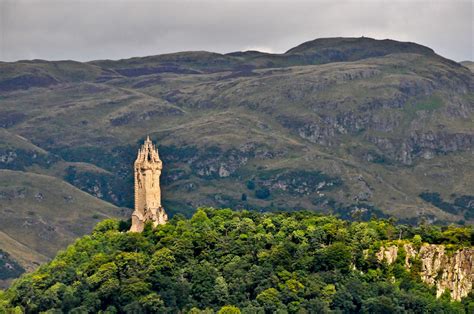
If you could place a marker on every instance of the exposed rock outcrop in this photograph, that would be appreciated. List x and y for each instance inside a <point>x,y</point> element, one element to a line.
<point>423,144</point>
<point>445,270</point>
<point>216,163</point>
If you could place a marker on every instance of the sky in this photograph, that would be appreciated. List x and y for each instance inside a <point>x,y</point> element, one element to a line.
<point>86,30</point>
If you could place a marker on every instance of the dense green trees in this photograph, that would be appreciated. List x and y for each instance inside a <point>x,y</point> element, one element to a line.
<point>236,262</point>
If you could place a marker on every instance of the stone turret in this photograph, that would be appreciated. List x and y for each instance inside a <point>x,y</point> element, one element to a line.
<point>148,207</point>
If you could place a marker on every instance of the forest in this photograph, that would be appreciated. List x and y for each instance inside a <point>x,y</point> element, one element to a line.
<point>225,261</point>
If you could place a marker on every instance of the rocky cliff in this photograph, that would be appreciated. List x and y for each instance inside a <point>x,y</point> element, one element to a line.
<point>439,267</point>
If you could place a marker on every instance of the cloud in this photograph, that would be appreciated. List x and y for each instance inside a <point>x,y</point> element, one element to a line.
<point>88,30</point>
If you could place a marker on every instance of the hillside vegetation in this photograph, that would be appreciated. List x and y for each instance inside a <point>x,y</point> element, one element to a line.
<point>41,214</point>
<point>352,126</point>
<point>238,261</point>
<point>469,65</point>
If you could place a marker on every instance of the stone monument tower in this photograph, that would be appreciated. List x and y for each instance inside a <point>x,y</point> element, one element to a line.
<point>147,188</point>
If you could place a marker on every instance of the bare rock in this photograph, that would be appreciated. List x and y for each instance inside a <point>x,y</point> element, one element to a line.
<point>454,272</point>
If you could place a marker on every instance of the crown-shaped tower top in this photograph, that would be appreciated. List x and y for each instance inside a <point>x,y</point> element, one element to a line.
<point>148,154</point>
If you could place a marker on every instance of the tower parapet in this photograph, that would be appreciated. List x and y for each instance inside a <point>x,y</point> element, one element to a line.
<point>147,172</point>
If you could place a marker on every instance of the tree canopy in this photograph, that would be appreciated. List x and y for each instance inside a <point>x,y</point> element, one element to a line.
<point>224,261</point>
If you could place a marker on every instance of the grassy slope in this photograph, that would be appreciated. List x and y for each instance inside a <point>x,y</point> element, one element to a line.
<point>469,65</point>
<point>209,109</point>
<point>41,214</point>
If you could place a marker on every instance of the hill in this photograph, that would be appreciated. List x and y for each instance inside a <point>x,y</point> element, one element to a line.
<point>468,64</point>
<point>353,126</point>
<point>41,214</point>
<point>250,262</point>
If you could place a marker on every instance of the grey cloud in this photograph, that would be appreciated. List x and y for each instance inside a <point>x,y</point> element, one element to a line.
<point>88,30</point>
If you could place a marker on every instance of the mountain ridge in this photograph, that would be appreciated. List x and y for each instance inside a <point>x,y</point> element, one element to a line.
<point>331,50</point>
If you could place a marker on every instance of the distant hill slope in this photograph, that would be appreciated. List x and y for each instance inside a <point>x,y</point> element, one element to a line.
<point>42,214</point>
<point>353,126</point>
<point>352,49</point>
<point>319,51</point>
<point>469,65</point>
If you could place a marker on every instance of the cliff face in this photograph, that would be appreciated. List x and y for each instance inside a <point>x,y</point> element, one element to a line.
<point>454,272</point>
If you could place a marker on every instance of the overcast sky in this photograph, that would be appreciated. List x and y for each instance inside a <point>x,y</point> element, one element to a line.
<point>92,29</point>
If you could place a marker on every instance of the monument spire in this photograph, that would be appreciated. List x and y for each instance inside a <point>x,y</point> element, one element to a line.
<point>147,172</point>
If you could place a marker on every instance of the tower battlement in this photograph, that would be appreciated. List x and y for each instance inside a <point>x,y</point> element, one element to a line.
<point>147,172</point>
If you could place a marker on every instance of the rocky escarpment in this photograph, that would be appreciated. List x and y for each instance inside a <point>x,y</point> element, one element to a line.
<point>415,144</point>
<point>425,145</point>
<point>440,268</point>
